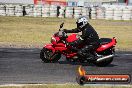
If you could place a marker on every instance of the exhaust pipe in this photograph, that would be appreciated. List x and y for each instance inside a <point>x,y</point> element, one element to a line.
<point>105,57</point>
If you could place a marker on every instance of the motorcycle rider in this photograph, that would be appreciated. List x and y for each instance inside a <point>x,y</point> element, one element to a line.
<point>89,37</point>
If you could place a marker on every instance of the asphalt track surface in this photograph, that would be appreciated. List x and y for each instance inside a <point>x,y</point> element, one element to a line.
<point>23,66</point>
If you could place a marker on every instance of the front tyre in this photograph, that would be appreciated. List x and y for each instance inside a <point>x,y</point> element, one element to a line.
<point>48,56</point>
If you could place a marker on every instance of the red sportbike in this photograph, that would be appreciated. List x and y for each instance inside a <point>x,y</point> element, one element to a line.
<point>59,45</point>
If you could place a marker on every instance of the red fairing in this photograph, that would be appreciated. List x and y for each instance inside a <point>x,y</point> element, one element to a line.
<point>54,40</point>
<point>71,55</point>
<point>50,47</point>
<point>106,46</point>
<point>72,38</point>
<point>60,47</point>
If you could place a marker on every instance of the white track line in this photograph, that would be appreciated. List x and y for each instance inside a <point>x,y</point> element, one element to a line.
<point>124,54</point>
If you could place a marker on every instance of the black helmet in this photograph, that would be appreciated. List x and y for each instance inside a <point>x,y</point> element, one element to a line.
<point>82,22</point>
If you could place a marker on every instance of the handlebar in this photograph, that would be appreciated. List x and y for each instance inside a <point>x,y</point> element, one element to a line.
<point>62,34</point>
<point>61,26</point>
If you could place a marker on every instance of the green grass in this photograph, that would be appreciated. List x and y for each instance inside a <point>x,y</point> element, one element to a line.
<point>34,32</point>
<point>67,86</point>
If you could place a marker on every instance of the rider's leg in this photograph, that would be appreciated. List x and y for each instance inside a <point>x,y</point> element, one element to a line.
<point>86,52</point>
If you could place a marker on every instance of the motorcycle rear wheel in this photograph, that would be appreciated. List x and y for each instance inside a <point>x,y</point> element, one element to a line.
<point>46,55</point>
<point>104,62</point>
<point>107,61</point>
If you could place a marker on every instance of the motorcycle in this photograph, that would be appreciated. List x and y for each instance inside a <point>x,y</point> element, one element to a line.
<point>59,45</point>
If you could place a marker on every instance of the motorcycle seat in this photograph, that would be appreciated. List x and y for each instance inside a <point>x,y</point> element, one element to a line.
<point>103,41</point>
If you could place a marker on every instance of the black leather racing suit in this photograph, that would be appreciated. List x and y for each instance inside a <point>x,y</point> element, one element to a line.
<point>89,37</point>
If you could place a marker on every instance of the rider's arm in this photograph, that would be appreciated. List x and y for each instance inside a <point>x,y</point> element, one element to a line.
<point>76,30</point>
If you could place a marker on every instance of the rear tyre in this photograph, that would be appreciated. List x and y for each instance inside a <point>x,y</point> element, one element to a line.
<point>104,62</point>
<point>107,61</point>
<point>47,56</point>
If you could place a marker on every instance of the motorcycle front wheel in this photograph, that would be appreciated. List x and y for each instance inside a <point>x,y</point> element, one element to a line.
<point>48,56</point>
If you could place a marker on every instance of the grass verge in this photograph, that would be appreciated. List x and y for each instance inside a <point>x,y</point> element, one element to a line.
<point>67,86</point>
<point>33,32</point>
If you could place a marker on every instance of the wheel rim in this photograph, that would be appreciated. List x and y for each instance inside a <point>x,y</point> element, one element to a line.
<point>48,54</point>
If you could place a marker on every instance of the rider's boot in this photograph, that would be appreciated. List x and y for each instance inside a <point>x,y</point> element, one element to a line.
<point>91,57</point>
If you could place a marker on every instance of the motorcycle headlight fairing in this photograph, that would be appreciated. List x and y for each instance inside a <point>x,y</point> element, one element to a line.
<point>53,39</point>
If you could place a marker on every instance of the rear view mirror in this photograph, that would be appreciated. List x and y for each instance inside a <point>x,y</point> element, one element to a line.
<point>61,26</point>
